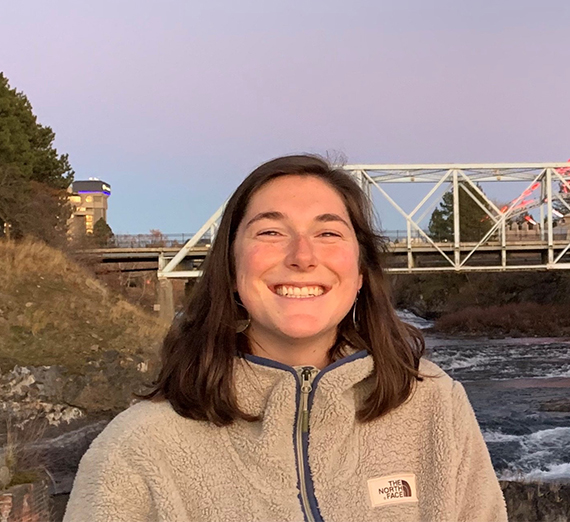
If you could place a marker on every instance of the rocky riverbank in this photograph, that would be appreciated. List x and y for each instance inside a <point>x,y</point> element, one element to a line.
<point>51,416</point>
<point>493,305</point>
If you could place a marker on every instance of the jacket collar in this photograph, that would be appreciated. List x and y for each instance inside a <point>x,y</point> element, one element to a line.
<point>257,378</point>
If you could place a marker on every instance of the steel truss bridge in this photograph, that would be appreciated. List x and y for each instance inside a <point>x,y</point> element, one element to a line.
<point>415,251</point>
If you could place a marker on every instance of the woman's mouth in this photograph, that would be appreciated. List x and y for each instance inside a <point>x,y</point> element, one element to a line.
<point>299,292</point>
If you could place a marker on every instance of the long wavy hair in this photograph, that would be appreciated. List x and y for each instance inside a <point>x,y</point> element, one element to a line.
<point>199,351</point>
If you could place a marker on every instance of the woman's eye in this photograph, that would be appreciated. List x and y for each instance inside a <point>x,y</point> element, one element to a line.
<point>330,234</point>
<point>268,233</point>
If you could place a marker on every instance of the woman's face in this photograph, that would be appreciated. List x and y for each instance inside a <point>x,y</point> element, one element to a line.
<point>297,259</point>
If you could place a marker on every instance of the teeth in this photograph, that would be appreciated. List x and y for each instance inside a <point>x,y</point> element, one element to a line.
<point>299,292</point>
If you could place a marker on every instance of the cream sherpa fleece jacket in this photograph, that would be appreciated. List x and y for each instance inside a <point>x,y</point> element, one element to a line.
<point>425,461</point>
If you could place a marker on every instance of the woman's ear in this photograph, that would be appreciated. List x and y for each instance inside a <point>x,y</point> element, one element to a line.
<point>360,279</point>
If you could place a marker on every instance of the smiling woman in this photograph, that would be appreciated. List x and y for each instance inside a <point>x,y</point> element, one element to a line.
<point>289,389</point>
<point>297,269</point>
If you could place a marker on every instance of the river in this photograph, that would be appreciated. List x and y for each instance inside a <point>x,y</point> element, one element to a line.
<point>520,391</point>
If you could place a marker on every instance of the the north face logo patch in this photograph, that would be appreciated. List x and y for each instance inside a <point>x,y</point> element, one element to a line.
<point>393,489</point>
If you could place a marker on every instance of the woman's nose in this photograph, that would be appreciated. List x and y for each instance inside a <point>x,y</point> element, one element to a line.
<point>301,255</point>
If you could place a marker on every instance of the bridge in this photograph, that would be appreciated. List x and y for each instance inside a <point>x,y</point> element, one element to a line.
<point>507,244</point>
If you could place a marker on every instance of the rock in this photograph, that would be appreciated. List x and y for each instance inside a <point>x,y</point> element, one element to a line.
<point>110,356</point>
<point>31,393</point>
<point>108,383</point>
<point>29,304</point>
<point>94,347</point>
<point>52,395</point>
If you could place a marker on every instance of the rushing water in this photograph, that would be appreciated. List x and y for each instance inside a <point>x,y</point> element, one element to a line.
<point>520,391</point>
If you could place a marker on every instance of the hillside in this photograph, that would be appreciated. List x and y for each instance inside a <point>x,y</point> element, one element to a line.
<point>53,312</point>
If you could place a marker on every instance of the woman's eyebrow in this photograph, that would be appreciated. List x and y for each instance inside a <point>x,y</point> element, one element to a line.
<point>265,215</point>
<point>331,217</point>
<point>323,218</point>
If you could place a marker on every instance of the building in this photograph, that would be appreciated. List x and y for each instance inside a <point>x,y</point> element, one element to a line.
<point>89,202</point>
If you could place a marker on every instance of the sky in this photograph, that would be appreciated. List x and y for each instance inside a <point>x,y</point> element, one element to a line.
<point>174,102</point>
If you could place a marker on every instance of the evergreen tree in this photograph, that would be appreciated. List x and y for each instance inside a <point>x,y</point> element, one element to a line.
<point>474,222</point>
<point>102,233</point>
<point>33,177</point>
<point>14,197</point>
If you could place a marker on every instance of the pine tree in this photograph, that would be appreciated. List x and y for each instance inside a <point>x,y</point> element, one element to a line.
<point>102,233</point>
<point>474,222</point>
<point>33,176</point>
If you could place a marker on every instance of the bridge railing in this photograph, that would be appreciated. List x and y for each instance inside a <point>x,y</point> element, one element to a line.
<point>514,234</point>
<point>401,236</point>
<point>154,240</point>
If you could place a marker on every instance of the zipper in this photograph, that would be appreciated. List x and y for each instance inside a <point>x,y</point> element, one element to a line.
<point>306,375</point>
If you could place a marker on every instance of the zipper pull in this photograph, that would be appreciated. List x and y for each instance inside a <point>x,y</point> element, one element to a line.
<point>306,387</point>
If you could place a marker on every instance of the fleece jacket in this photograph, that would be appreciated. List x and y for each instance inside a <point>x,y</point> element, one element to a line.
<point>425,461</point>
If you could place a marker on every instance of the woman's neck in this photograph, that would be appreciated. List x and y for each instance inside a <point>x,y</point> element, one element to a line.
<point>292,352</point>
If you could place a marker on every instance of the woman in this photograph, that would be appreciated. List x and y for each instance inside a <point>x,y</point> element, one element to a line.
<point>290,390</point>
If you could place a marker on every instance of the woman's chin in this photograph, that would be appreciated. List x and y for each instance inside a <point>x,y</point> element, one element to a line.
<point>304,332</point>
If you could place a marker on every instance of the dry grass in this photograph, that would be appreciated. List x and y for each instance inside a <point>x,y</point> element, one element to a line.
<point>23,462</point>
<point>52,311</point>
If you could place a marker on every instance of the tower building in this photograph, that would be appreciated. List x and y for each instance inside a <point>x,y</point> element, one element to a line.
<point>89,201</point>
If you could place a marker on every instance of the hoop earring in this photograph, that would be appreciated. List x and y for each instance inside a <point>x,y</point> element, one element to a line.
<point>243,324</point>
<point>354,321</point>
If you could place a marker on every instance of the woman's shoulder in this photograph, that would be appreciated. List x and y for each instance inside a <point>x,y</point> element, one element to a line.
<point>428,367</point>
<point>144,413</point>
<point>435,379</point>
<point>436,396</point>
<point>143,421</point>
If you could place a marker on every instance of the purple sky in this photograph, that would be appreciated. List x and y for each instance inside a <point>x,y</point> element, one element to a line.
<point>174,102</point>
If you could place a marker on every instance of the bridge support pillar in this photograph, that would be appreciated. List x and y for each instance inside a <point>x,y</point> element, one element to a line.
<point>165,300</point>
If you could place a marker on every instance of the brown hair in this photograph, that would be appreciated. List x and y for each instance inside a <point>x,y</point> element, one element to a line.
<point>199,351</point>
